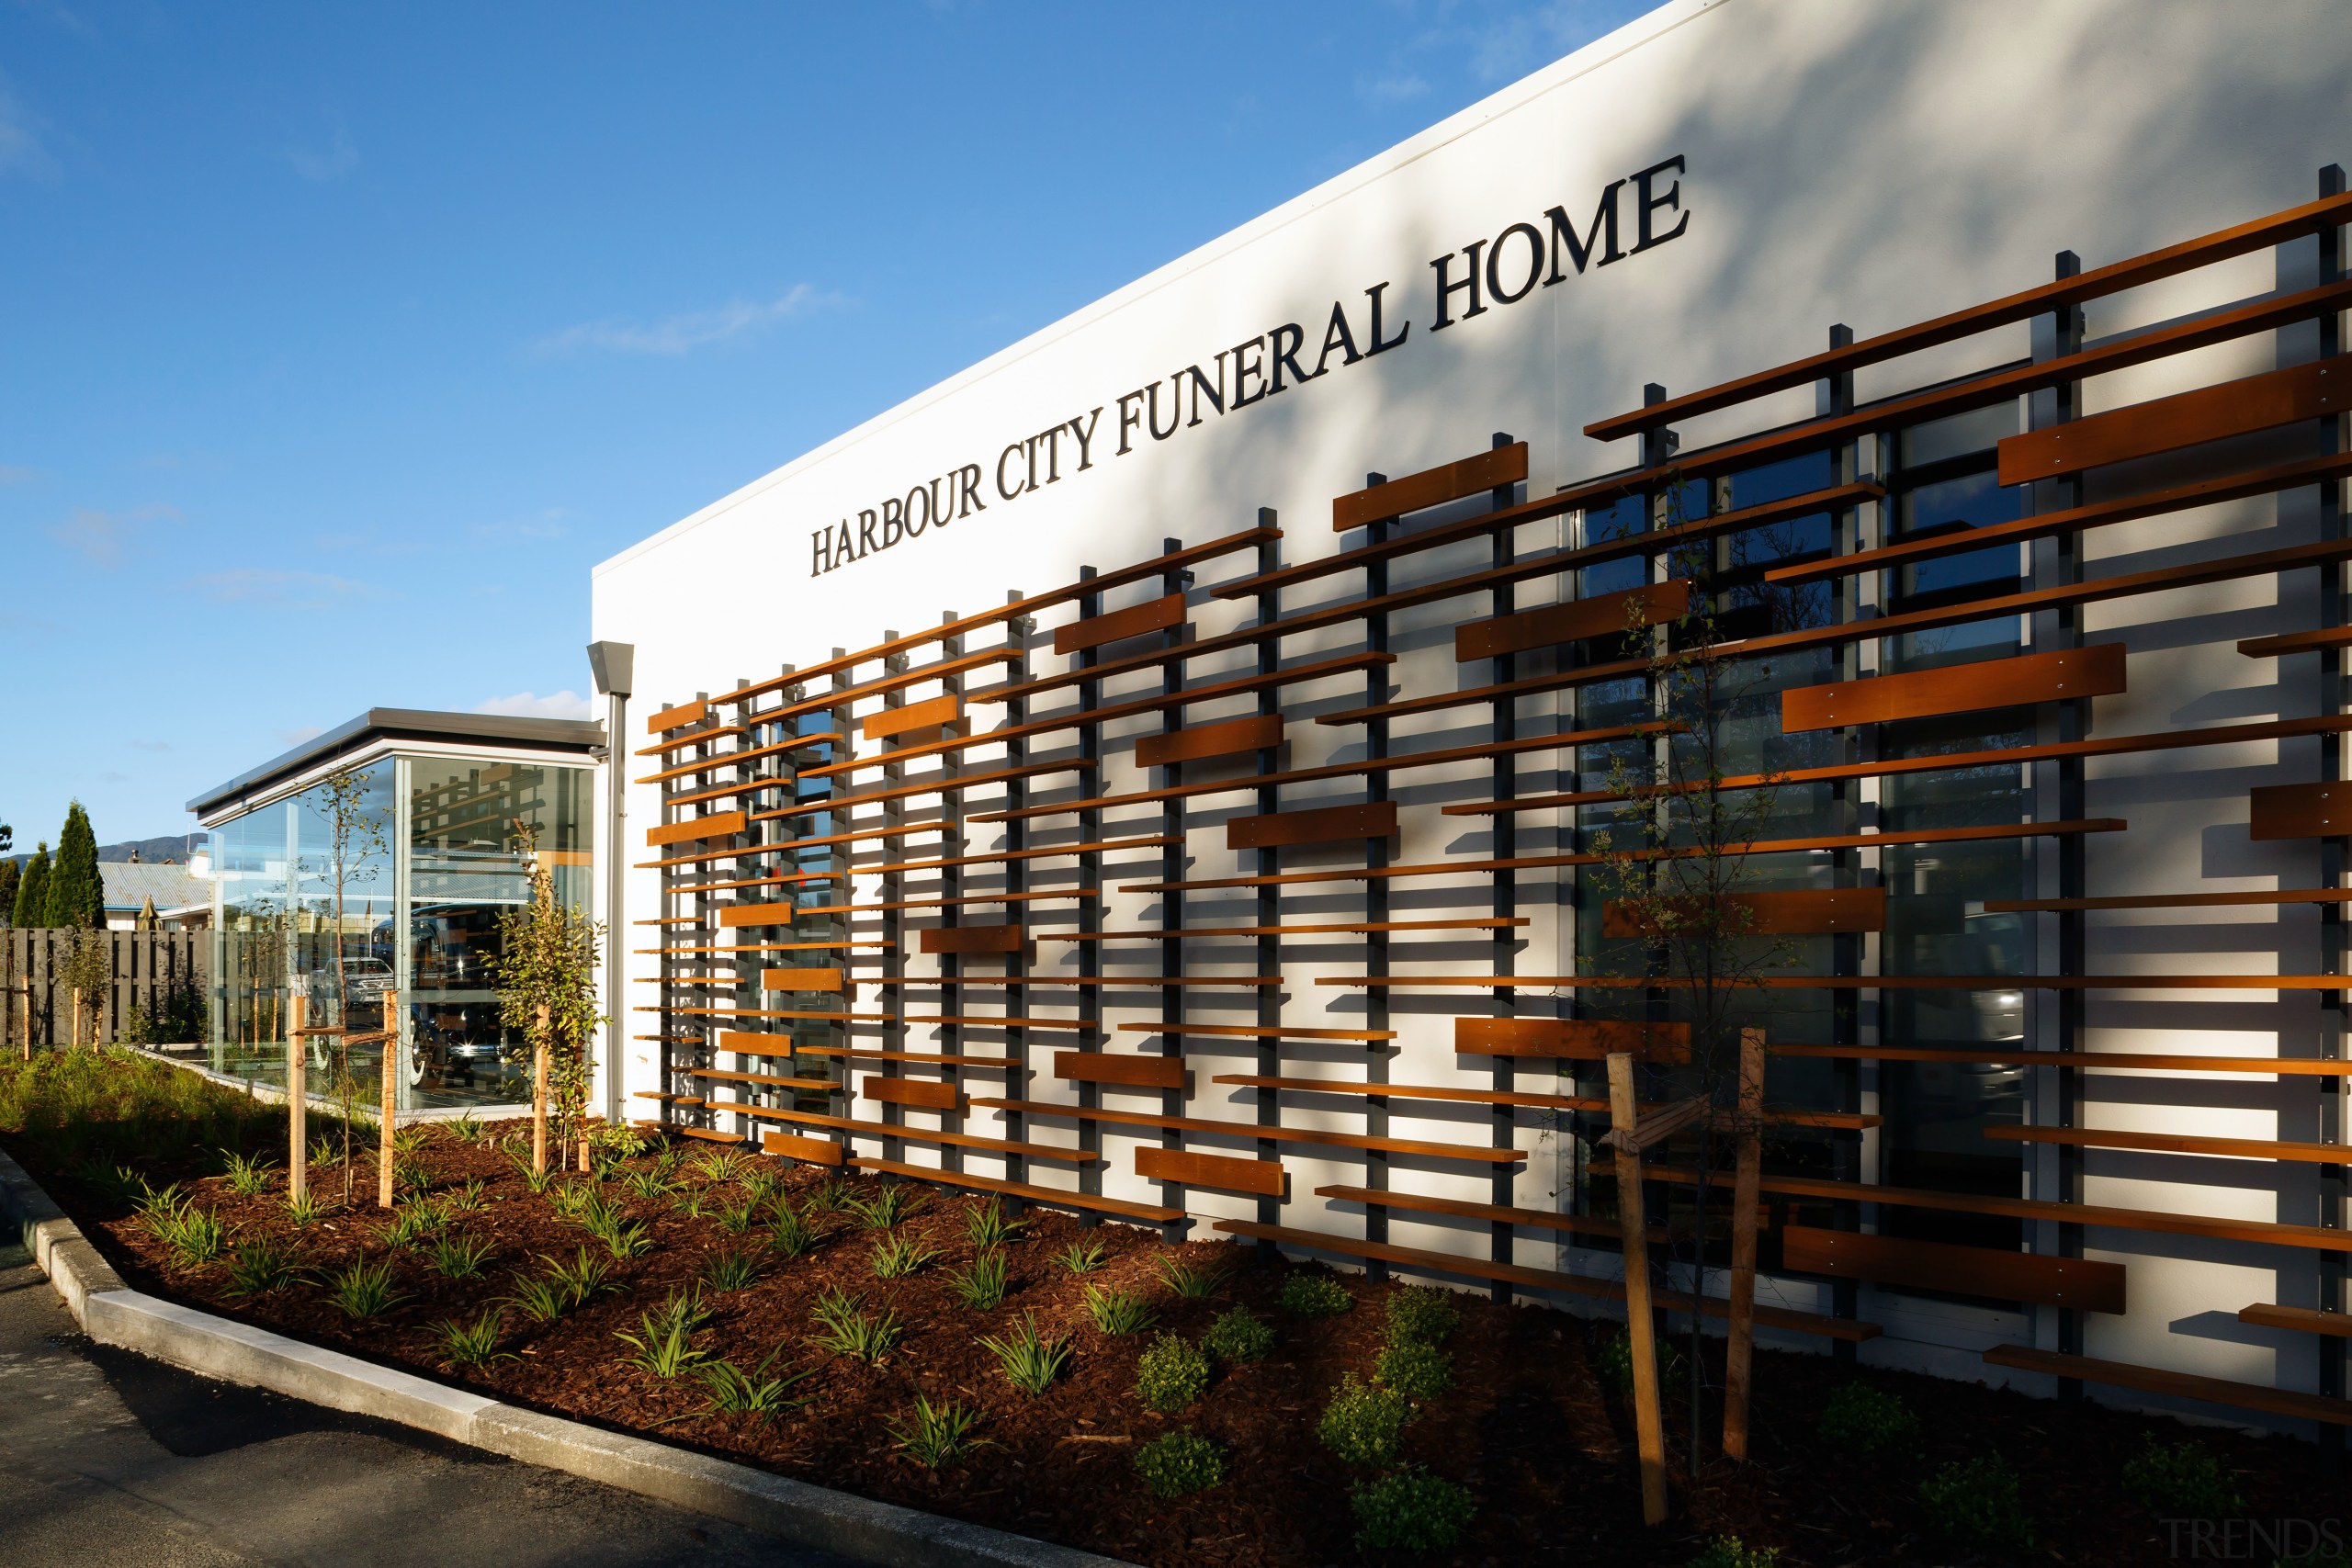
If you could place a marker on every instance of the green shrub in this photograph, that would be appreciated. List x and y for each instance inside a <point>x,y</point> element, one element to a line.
<point>2182,1480</point>
<point>364,1291</point>
<point>1170,1375</point>
<point>262,1264</point>
<point>1364,1425</point>
<point>1616,1362</point>
<point>934,1435</point>
<point>1116,1310</point>
<point>1410,1511</point>
<point>1236,1337</point>
<point>1867,1420</point>
<point>1420,1315</point>
<point>1314,1295</point>
<point>1416,1371</point>
<point>981,1285</point>
<point>1726,1552</point>
<point>1975,1503</point>
<point>1179,1464</point>
<point>1031,1361</point>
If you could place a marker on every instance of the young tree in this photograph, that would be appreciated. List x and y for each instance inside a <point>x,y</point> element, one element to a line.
<point>85,971</point>
<point>1677,877</point>
<point>11,874</point>
<point>77,891</point>
<point>545,978</point>
<point>357,851</point>
<point>32,909</point>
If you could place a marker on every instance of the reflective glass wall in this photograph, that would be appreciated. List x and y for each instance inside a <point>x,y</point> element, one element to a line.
<point>394,875</point>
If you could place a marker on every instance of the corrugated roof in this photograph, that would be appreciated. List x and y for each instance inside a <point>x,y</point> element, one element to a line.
<point>129,885</point>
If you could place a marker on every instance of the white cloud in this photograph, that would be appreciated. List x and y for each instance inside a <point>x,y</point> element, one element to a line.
<point>566,703</point>
<point>102,535</point>
<point>694,329</point>
<point>320,167</point>
<point>278,590</point>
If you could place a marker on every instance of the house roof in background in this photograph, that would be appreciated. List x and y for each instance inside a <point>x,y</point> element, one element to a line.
<point>404,724</point>
<point>129,885</point>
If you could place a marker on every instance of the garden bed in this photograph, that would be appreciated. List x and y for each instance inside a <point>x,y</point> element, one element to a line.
<point>1530,1427</point>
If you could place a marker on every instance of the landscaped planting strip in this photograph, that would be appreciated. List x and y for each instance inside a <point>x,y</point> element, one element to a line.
<point>855,1527</point>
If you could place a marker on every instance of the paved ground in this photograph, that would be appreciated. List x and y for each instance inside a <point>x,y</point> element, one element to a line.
<point>106,1458</point>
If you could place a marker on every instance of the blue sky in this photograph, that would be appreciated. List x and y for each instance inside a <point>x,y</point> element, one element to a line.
<point>341,341</point>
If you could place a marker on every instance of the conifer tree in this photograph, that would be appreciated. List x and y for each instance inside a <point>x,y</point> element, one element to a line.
<point>77,895</point>
<point>10,874</point>
<point>32,908</point>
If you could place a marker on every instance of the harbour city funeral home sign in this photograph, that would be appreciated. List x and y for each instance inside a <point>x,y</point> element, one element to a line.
<point>1484,274</point>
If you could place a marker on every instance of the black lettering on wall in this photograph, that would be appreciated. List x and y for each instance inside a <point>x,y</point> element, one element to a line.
<point>1287,357</point>
<point>1446,288</point>
<point>1379,345</point>
<point>1200,386</point>
<point>1337,335</point>
<point>1245,367</point>
<point>1085,434</point>
<point>1649,204</point>
<point>1128,419</point>
<point>967,478</point>
<point>1564,234</point>
<point>1003,490</point>
<point>1175,408</point>
<point>1495,289</point>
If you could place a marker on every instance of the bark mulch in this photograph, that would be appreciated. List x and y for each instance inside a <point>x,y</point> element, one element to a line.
<point>1530,1428</point>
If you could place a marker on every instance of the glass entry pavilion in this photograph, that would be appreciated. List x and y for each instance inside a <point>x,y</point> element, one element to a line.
<point>379,856</point>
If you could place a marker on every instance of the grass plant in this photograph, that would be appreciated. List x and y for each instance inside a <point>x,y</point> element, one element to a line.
<point>985,1225</point>
<point>980,1284</point>
<point>898,1255</point>
<point>1081,1256</point>
<point>459,1256</point>
<point>846,1328</point>
<point>262,1264</point>
<point>1118,1311</point>
<point>936,1435</point>
<point>365,1290</point>
<point>468,1345</point>
<point>248,1175</point>
<point>1030,1360</point>
<point>732,1269</point>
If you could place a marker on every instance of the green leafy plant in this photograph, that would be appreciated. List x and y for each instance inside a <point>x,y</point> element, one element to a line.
<point>262,1264</point>
<point>1410,1511</point>
<point>981,1285</point>
<point>934,1435</point>
<point>460,1257</point>
<point>466,1129</point>
<point>847,1329</point>
<point>1616,1362</point>
<point>650,1184</point>
<point>1031,1361</point>
<point>580,1203</point>
<point>791,1232</point>
<point>1117,1311</point>
<point>1171,1374</point>
<point>1729,1551</point>
<point>894,1202</point>
<point>325,1152</point>
<point>1178,1464</point>
<point>1976,1503</point>
<point>472,1197</point>
<point>411,1175</point>
<point>545,979</point>
<point>541,1298</point>
<point>739,1217</point>
<point>1416,1371</point>
<point>194,1236</point>
<point>1187,1279</point>
<point>475,1344</point>
<point>2182,1480</point>
<point>116,1183</point>
<point>364,1289</point>
<point>1865,1420</point>
<point>1365,1425</point>
<point>410,1140</point>
<point>730,1270</point>
<point>1236,1337</point>
<point>1314,1295</point>
<point>538,1182</point>
<point>664,1347</point>
<point>412,1223</point>
<point>1419,1314</point>
<point>898,1255</point>
<point>715,1166</point>
<point>734,1391</point>
<point>582,1277</point>
<point>247,1175</point>
<point>304,1210</point>
<point>985,1225</point>
<point>1080,1257</point>
<point>630,1240</point>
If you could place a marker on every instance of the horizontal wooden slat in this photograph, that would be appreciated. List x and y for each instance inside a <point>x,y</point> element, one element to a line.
<point>733,759</point>
<point>734,916</point>
<point>2172,1144</point>
<point>1605,615</point>
<point>2238,240</point>
<point>693,738</point>
<point>718,825</point>
<point>1432,487</point>
<point>2000,1274</point>
<point>2299,642</point>
<point>1253,1130</point>
<point>2303,1320</point>
<point>1576,1039</point>
<point>677,718</point>
<point>972,938</point>
<point>2187,419</point>
<point>815,1151</point>
<point>1445,1093</point>
<point>2093,1061</point>
<point>1203,741</point>
<point>926,1094</point>
<point>856,1129</point>
<point>1868,982</point>
<point>1491,1214</point>
<point>1791,913</point>
<point>1151,615</point>
<point>1224,1173</point>
<point>1105,1067</point>
<point>2093,672</point>
<point>1306,928</point>
<point>928,713</point>
<point>944,784</point>
<point>773,1080</point>
<point>1150,1213</point>
<point>2299,811</point>
<point>1257,1031</point>
<point>2175,1385</point>
<point>1426,1262</point>
<point>801,980</point>
<point>1322,825</point>
<point>2075,519</point>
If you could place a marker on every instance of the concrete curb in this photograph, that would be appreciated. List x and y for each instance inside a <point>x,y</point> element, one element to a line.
<point>855,1527</point>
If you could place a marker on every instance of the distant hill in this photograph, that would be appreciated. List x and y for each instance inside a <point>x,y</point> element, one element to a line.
<point>175,849</point>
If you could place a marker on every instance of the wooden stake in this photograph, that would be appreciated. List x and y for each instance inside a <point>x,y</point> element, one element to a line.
<point>583,1156</point>
<point>1740,1357</point>
<point>297,1103</point>
<point>539,1092</point>
<point>77,994</point>
<point>1640,1328</point>
<point>390,1074</point>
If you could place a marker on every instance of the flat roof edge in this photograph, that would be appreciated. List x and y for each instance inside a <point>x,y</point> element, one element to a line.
<point>405,723</point>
